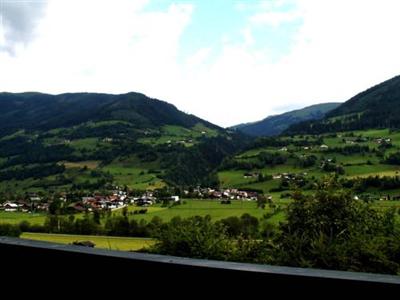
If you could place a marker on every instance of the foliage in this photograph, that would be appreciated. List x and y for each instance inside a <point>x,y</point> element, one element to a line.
<point>246,226</point>
<point>380,182</point>
<point>39,171</point>
<point>197,165</point>
<point>306,161</point>
<point>195,237</point>
<point>332,167</point>
<point>393,159</point>
<point>10,230</point>
<point>332,230</point>
<point>349,150</point>
<point>263,159</point>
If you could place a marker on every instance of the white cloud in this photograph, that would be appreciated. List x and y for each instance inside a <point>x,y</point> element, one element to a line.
<point>274,18</point>
<point>248,36</point>
<point>199,58</point>
<point>18,20</point>
<point>99,46</point>
<point>341,48</point>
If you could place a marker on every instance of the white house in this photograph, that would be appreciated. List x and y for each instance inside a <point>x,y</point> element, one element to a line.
<point>9,206</point>
<point>175,198</point>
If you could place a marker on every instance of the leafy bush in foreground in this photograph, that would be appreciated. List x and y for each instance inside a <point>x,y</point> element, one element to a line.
<point>9,230</point>
<point>332,230</point>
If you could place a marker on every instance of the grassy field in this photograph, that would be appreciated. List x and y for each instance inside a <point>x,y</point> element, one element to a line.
<point>172,134</point>
<point>91,164</point>
<point>214,208</point>
<point>373,170</point>
<point>87,143</point>
<point>362,164</point>
<point>386,204</point>
<point>105,123</point>
<point>134,173</point>
<point>389,173</point>
<point>219,211</point>
<point>233,178</point>
<point>106,242</point>
<point>190,208</point>
<point>17,217</point>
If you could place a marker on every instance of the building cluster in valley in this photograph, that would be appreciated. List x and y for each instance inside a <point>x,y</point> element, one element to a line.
<point>231,194</point>
<point>32,203</point>
<point>119,198</point>
<point>114,200</point>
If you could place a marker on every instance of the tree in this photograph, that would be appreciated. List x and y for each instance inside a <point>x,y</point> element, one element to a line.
<point>195,237</point>
<point>233,226</point>
<point>249,226</point>
<point>96,216</point>
<point>55,207</point>
<point>261,201</point>
<point>125,211</point>
<point>333,230</point>
<point>10,230</point>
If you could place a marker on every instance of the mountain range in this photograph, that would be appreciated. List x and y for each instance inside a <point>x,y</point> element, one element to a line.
<point>376,107</point>
<point>36,111</point>
<point>275,125</point>
<point>85,141</point>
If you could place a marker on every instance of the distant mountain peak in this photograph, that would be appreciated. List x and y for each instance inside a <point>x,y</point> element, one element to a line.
<point>44,111</point>
<point>276,124</point>
<point>376,107</point>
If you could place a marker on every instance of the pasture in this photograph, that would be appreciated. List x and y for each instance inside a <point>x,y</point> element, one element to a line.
<point>214,208</point>
<point>105,242</point>
<point>90,164</point>
<point>17,217</point>
<point>134,174</point>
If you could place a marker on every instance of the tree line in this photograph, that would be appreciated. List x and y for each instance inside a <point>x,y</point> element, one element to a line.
<point>329,229</point>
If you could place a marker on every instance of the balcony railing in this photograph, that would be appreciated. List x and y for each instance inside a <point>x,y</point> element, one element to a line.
<point>19,255</point>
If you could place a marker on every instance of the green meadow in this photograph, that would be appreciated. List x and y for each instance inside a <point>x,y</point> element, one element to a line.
<point>17,217</point>
<point>105,242</point>
<point>214,208</point>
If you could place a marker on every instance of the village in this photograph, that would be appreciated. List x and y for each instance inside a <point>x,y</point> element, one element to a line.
<point>119,198</point>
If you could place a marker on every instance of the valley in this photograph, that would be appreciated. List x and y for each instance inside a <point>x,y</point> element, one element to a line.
<point>274,163</point>
<point>131,173</point>
<point>129,142</point>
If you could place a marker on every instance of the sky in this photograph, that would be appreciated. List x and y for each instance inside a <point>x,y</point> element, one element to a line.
<point>226,61</point>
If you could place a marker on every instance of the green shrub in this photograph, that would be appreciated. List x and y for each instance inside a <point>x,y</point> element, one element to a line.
<point>10,230</point>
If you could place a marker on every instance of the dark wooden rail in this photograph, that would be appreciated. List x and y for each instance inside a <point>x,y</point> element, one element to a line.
<point>81,264</point>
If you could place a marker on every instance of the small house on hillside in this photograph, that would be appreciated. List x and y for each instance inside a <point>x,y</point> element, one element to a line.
<point>251,175</point>
<point>145,201</point>
<point>175,198</point>
<point>10,207</point>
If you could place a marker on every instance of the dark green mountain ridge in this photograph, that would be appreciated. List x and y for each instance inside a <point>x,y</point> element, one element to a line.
<point>377,107</point>
<point>43,111</point>
<point>275,125</point>
<point>88,140</point>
